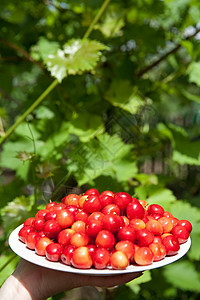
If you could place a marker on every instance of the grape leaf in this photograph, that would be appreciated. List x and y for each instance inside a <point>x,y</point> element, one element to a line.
<point>86,126</point>
<point>134,285</point>
<point>194,73</point>
<point>102,156</point>
<point>16,211</point>
<point>122,94</point>
<point>183,210</point>
<point>183,275</point>
<point>77,56</point>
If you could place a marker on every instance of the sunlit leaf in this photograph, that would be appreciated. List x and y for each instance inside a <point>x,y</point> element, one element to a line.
<point>77,56</point>
<point>194,73</point>
<point>183,275</point>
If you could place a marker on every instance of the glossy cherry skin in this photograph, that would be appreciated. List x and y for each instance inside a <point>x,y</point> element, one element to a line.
<point>92,203</point>
<point>51,229</point>
<point>101,258</point>
<point>155,209</point>
<point>53,252</point>
<point>67,253</point>
<point>81,258</point>
<point>119,260</point>
<point>186,224</point>
<point>181,233</point>
<point>41,245</point>
<point>171,244</point>
<point>122,199</point>
<point>111,223</point>
<point>93,227</point>
<point>31,239</point>
<point>127,247</point>
<point>105,239</point>
<point>159,251</point>
<point>65,218</point>
<point>144,237</point>
<point>111,209</point>
<point>24,231</point>
<point>135,210</point>
<point>126,233</point>
<point>143,256</point>
<point>71,199</point>
<point>92,192</point>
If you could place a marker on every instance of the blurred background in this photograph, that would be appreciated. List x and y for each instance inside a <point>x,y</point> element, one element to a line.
<point>102,94</point>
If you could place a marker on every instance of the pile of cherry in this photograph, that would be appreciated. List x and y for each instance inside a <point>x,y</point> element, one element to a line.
<point>107,230</point>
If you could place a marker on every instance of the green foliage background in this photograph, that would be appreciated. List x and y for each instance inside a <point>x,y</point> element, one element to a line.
<point>122,113</point>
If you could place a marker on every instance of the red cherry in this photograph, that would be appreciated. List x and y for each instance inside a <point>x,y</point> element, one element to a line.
<point>31,239</point>
<point>105,239</point>
<point>93,227</point>
<point>105,200</point>
<point>159,251</point>
<point>51,229</point>
<point>67,253</point>
<point>64,236</point>
<point>101,258</point>
<point>119,260</point>
<point>111,209</point>
<point>81,258</point>
<point>24,232</point>
<point>111,223</point>
<point>71,199</point>
<point>122,199</point>
<point>39,223</point>
<point>143,256</point>
<point>126,233</point>
<point>181,233</point>
<point>41,213</point>
<point>64,218</point>
<point>92,203</point>
<point>107,193</point>
<point>50,215</point>
<point>53,252</point>
<point>186,224</point>
<point>135,210</point>
<point>155,209</point>
<point>92,192</point>
<point>171,244</point>
<point>127,247</point>
<point>144,237</point>
<point>81,215</point>
<point>29,222</point>
<point>41,245</point>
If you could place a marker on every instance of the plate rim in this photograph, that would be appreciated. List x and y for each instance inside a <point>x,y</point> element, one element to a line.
<point>21,250</point>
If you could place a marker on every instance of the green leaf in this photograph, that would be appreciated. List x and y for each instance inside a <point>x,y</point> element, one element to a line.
<point>102,156</point>
<point>183,275</point>
<point>194,73</point>
<point>122,94</point>
<point>57,140</point>
<point>162,196</point>
<point>16,211</point>
<point>9,261</point>
<point>86,126</point>
<point>183,210</point>
<point>185,151</point>
<point>134,285</point>
<point>76,57</point>
<point>113,21</point>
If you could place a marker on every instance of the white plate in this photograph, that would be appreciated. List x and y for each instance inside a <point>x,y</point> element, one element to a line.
<point>20,249</point>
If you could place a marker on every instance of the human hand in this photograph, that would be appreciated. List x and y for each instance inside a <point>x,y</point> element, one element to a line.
<point>30,281</point>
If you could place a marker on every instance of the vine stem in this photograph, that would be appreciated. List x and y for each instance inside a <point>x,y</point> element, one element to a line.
<point>54,83</point>
<point>29,110</point>
<point>96,19</point>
